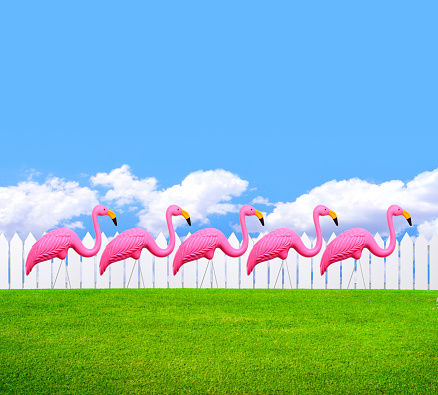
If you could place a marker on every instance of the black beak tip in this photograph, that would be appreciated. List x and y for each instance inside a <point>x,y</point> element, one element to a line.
<point>115,221</point>
<point>409,221</point>
<point>262,221</point>
<point>336,221</point>
<point>188,221</point>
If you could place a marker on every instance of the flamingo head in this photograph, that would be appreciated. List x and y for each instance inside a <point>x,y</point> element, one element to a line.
<point>176,210</point>
<point>250,210</point>
<point>102,210</point>
<point>323,210</point>
<point>397,210</point>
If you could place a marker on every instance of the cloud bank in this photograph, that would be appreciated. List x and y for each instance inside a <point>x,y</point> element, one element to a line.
<point>359,203</point>
<point>36,207</point>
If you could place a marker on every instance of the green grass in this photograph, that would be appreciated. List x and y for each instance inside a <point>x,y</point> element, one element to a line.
<point>218,341</point>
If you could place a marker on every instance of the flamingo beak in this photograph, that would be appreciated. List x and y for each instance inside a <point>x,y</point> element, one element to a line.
<point>260,217</point>
<point>186,215</point>
<point>112,216</point>
<point>408,217</point>
<point>334,216</point>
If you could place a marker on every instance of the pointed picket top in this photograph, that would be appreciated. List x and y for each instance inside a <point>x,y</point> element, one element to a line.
<point>30,238</point>
<point>110,238</point>
<point>161,241</point>
<point>433,240</point>
<point>406,240</point>
<point>305,239</point>
<point>3,238</point>
<point>233,241</point>
<point>258,238</point>
<point>421,239</point>
<point>88,240</point>
<point>177,240</point>
<point>16,239</point>
<point>379,240</point>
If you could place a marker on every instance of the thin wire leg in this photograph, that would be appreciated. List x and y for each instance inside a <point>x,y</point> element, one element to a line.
<point>68,278</point>
<point>141,274</point>
<point>363,279</point>
<point>355,263</point>
<point>217,285</point>
<point>287,268</point>
<point>278,275</point>
<point>133,267</point>
<point>204,274</point>
<point>53,286</point>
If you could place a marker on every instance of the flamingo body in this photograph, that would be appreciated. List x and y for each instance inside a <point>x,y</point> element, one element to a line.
<point>349,244</point>
<point>203,243</point>
<point>276,244</point>
<point>56,243</point>
<point>127,244</point>
<point>130,243</point>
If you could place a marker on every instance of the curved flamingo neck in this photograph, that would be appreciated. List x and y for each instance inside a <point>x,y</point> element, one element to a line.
<point>383,252</point>
<point>168,250</point>
<point>86,252</point>
<point>233,252</point>
<point>313,251</point>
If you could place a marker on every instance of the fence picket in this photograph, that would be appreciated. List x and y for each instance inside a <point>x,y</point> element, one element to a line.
<point>421,263</point>
<point>16,262</point>
<point>318,281</point>
<point>378,266</point>
<point>305,266</point>
<point>175,281</point>
<point>399,270</point>
<point>392,267</point>
<point>30,281</point>
<point>232,265</point>
<point>406,263</point>
<point>4,262</point>
<point>433,263</point>
<point>102,281</point>
<point>88,269</point>
<point>161,265</point>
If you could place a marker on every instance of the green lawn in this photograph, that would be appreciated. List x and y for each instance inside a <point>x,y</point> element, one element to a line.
<point>218,341</point>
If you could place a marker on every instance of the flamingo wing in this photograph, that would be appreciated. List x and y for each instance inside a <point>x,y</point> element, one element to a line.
<point>52,245</point>
<point>269,247</point>
<point>343,247</point>
<point>123,246</point>
<point>195,247</point>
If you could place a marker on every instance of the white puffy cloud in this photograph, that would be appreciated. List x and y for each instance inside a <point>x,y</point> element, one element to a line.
<point>37,207</point>
<point>363,204</point>
<point>201,193</point>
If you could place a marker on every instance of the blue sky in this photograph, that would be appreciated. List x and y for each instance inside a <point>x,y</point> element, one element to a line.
<point>285,97</point>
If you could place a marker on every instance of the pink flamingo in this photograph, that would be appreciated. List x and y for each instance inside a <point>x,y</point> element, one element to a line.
<point>203,243</point>
<point>349,244</point>
<point>277,243</point>
<point>56,243</point>
<point>131,242</point>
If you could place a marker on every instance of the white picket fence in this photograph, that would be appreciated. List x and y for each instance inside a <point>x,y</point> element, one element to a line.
<point>411,266</point>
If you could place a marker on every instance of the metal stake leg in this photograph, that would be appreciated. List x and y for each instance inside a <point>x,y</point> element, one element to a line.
<point>204,273</point>
<point>131,273</point>
<point>355,264</point>
<point>278,273</point>
<point>53,286</point>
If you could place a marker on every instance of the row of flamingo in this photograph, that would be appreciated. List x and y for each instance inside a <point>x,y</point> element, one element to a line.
<point>202,244</point>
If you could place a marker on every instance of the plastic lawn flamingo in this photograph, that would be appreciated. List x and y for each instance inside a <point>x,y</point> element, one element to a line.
<point>56,243</point>
<point>350,243</point>
<point>130,243</point>
<point>203,243</point>
<point>276,244</point>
